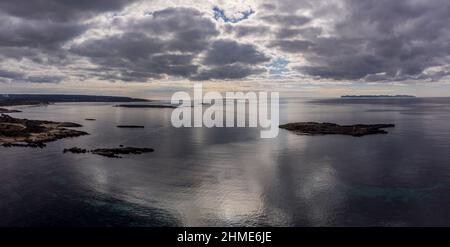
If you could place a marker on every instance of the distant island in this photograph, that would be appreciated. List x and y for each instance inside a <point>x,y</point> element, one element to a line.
<point>131,126</point>
<point>357,130</point>
<point>377,96</point>
<point>38,99</point>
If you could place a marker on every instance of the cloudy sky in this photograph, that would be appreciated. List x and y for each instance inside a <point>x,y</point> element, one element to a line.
<point>147,47</point>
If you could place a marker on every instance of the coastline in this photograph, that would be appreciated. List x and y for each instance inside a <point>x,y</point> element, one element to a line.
<point>34,133</point>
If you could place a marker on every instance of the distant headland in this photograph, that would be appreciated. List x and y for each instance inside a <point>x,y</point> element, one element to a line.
<point>377,96</point>
<point>38,99</point>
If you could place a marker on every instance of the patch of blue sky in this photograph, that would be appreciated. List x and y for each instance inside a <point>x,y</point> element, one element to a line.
<point>278,66</point>
<point>219,14</point>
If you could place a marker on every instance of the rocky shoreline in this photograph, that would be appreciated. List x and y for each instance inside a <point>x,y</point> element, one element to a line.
<point>3,110</point>
<point>357,130</point>
<point>110,152</point>
<point>16,132</point>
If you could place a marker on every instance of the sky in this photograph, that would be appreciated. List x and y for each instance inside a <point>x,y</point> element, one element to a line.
<point>152,48</point>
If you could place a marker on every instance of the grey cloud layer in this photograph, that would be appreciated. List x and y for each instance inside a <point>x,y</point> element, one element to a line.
<point>376,40</point>
<point>356,40</point>
<point>224,52</point>
<point>59,10</point>
<point>36,30</point>
<point>15,76</point>
<point>166,43</point>
<point>23,33</point>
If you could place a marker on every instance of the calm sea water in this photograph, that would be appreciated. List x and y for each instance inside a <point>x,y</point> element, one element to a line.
<point>231,177</point>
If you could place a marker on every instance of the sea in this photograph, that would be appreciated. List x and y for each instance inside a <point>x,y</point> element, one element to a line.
<point>231,176</point>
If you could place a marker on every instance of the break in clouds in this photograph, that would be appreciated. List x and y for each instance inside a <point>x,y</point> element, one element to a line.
<point>51,41</point>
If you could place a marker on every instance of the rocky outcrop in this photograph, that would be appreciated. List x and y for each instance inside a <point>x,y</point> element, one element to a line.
<point>313,128</point>
<point>131,126</point>
<point>75,150</point>
<point>110,152</point>
<point>16,132</point>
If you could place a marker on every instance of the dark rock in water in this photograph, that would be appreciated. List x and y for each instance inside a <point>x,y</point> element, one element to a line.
<point>130,126</point>
<point>16,132</point>
<point>75,150</point>
<point>312,128</point>
<point>90,119</point>
<point>114,152</point>
<point>110,152</point>
<point>70,125</point>
<point>3,110</point>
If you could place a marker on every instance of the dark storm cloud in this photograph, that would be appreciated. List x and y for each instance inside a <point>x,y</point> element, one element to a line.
<point>292,45</point>
<point>308,32</point>
<point>235,71</point>
<point>246,30</point>
<point>228,59</point>
<point>378,40</point>
<point>130,46</point>
<point>175,20</point>
<point>6,74</point>
<point>124,75</point>
<point>316,8</point>
<point>288,20</point>
<point>164,43</point>
<point>224,52</point>
<point>190,29</point>
<point>36,30</point>
<point>59,10</point>
<point>47,24</point>
<point>167,42</point>
<point>136,56</point>
<point>45,79</point>
<point>268,7</point>
<point>39,41</point>
<point>43,34</point>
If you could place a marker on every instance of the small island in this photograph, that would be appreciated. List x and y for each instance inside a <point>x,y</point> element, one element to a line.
<point>400,96</point>
<point>34,133</point>
<point>131,126</point>
<point>357,130</point>
<point>110,152</point>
